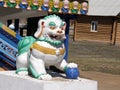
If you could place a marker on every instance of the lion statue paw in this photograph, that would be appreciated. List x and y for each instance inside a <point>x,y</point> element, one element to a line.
<point>23,73</point>
<point>45,77</point>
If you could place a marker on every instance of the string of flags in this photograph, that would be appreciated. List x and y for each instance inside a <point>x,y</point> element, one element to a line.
<point>55,6</point>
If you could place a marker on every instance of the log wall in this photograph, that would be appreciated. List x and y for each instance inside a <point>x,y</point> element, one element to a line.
<point>118,32</point>
<point>83,29</point>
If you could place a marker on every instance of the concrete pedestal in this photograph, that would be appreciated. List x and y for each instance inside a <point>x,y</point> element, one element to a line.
<point>11,81</point>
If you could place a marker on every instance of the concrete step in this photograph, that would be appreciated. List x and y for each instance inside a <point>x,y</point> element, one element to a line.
<point>11,81</point>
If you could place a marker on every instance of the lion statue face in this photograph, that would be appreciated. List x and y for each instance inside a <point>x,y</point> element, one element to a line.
<point>51,27</point>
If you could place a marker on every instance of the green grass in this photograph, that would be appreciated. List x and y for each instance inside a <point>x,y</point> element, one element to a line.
<point>94,56</point>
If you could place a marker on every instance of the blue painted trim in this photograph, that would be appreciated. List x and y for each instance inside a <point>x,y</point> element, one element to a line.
<point>23,6</point>
<point>16,49</point>
<point>67,36</point>
<point>7,53</point>
<point>10,37</point>
<point>1,64</point>
<point>65,10</point>
<point>12,63</point>
<point>44,8</point>
<point>18,37</point>
<point>8,40</point>
<point>14,59</point>
<point>66,46</point>
<point>66,18</point>
<point>1,3</point>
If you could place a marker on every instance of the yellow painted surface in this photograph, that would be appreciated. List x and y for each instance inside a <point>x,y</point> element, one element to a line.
<point>47,50</point>
<point>11,32</point>
<point>1,69</point>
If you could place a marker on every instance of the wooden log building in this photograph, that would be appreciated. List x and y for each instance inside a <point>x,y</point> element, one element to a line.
<point>94,28</point>
<point>101,24</point>
<point>116,32</point>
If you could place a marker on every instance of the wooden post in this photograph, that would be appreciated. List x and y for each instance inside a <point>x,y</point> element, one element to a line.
<point>75,30</point>
<point>67,37</point>
<point>9,22</point>
<point>16,25</point>
<point>66,18</point>
<point>114,32</point>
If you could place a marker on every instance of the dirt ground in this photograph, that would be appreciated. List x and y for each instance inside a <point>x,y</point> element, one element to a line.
<point>105,81</point>
<point>94,58</point>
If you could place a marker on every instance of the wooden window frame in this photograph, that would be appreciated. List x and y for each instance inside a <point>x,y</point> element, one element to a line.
<point>94,26</point>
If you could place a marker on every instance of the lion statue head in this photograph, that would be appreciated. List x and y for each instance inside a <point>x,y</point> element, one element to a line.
<point>51,27</point>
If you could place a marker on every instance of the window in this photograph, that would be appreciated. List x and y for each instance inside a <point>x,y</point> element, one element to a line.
<point>94,25</point>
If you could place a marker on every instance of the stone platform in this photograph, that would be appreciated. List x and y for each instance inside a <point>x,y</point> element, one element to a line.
<point>11,81</point>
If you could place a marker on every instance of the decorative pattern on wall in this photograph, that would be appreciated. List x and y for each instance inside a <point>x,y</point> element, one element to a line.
<point>55,6</point>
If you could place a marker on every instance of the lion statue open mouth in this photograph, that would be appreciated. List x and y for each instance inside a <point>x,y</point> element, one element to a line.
<point>46,49</point>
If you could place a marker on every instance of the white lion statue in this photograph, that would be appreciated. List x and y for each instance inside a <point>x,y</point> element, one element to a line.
<point>46,49</point>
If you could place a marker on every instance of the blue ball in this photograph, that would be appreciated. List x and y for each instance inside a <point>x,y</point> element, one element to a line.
<point>72,73</point>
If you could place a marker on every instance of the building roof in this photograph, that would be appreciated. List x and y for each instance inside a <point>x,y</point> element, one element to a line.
<point>13,13</point>
<point>24,14</point>
<point>104,7</point>
<point>96,8</point>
